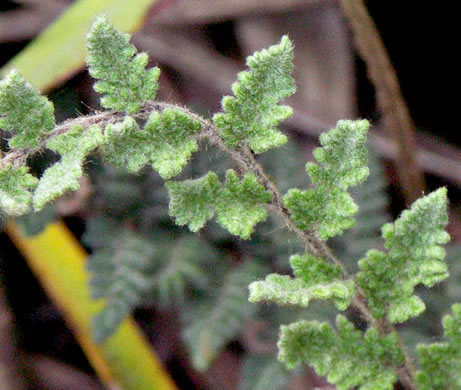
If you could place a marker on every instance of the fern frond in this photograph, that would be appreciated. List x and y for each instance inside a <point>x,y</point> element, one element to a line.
<point>119,275</point>
<point>254,113</point>
<point>328,208</point>
<point>441,362</point>
<point>63,176</point>
<point>413,256</point>
<point>24,111</point>
<point>315,279</point>
<point>182,267</point>
<point>347,357</point>
<point>216,323</point>
<point>164,136</point>
<point>113,60</point>
<point>15,186</point>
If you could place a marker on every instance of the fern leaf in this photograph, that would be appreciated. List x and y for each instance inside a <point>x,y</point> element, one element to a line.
<point>124,81</point>
<point>219,322</point>
<point>239,207</point>
<point>166,142</point>
<point>413,256</point>
<point>171,136</point>
<point>63,176</point>
<point>315,279</point>
<point>125,144</point>
<point>119,275</point>
<point>24,112</point>
<point>15,186</point>
<point>192,201</point>
<point>342,163</point>
<point>254,113</point>
<point>441,362</point>
<point>347,357</point>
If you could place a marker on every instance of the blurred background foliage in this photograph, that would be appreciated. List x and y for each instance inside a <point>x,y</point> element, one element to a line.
<point>189,291</point>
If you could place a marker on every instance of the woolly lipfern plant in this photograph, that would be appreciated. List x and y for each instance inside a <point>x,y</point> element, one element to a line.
<point>140,132</point>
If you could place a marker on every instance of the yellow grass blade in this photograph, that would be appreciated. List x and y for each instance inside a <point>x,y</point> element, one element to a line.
<point>125,360</point>
<point>59,51</point>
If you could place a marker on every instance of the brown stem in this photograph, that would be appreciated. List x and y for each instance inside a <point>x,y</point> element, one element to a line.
<point>388,95</point>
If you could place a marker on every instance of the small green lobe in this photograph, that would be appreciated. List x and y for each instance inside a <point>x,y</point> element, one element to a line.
<point>239,206</point>
<point>15,186</point>
<point>64,175</point>
<point>167,142</point>
<point>440,363</point>
<point>123,79</point>
<point>314,279</point>
<point>192,201</point>
<point>253,114</point>
<point>24,112</point>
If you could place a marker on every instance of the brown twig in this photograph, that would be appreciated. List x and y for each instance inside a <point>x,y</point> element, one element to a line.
<point>388,96</point>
